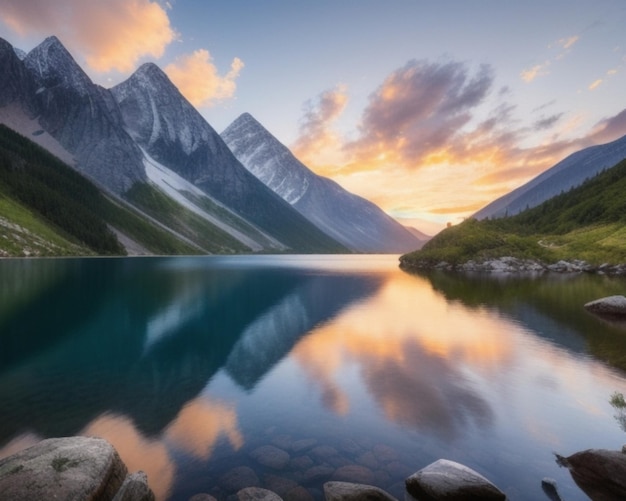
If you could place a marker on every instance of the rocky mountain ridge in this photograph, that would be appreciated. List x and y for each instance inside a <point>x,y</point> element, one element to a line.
<point>566,174</point>
<point>355,222</point>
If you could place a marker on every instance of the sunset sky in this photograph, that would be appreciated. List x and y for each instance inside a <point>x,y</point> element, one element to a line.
<point>429,109</point>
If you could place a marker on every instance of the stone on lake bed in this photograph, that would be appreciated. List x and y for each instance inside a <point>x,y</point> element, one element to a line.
<point>202,496</point>
<point>257,494</point>
<point>239,478</point>
<point>354,473</point>
<point>451,481</point>
<point>610,305</point>
<point>271,456</point>
<point>347,491</point>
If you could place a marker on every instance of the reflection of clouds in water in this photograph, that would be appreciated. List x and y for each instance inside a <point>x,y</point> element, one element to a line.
<point>424,392</point>
<point>137,451</point>
<point>411,347</point>
<point>195,431</point>
<point>200,424</point>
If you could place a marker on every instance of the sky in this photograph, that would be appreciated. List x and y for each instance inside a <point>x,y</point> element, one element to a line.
<point>430,109</point>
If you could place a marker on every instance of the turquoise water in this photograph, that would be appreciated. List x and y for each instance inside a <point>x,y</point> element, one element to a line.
<point>347,366</point>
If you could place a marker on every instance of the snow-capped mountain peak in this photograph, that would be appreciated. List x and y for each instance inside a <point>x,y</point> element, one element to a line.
<point>54,66</point>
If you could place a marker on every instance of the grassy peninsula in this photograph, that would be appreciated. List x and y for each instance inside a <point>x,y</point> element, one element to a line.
<point>587,223</point>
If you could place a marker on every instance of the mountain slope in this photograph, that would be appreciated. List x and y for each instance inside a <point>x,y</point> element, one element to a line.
<point>176,136</point>
<point>355,222</point>
<point>75,112</point>
<point>586,223</point>
<point>50,209</point>
<point>568,173</point>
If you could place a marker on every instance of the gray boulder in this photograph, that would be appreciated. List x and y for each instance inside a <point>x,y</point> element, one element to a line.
<point>63,468</point>
<point>347,491</point>
<point>600,473</point>
<point>135,488</point>
<point>451,481</point>
<point>609,306</point>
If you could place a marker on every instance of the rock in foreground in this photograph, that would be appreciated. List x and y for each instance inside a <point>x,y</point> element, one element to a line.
<point>346,491</point>
<point>600,473</point>
<point>63,468</point>
<point>450,481</point>
<point>614,306</point>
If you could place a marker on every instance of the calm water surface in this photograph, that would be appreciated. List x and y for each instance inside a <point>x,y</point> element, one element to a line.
<point>354,368</point>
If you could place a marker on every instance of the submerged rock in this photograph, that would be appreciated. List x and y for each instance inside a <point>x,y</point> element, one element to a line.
<point>600,473</point>
<point>346,491</point>
<point>257,494</point>
<point>550,488</point>
<point>63,468</point>
<point>608,306</point>
<point>451,481</point>
<point>354,473</point>
<point>239,478</point>
<point>271,456</point>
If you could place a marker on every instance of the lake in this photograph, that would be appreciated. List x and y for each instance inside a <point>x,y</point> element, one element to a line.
<point>346,366</point>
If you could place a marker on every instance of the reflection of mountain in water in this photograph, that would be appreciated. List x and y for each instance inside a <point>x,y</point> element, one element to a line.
<point>551,306</point>
<point>141,339</point>
<point>272,335</point>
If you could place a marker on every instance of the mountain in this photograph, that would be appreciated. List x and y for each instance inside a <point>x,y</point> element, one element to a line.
<point>49,209</point>
<point>172,133</point>
<point>75,111</point>
<point>568,173</point>
<point>355,222</point>
<point>143,144</point>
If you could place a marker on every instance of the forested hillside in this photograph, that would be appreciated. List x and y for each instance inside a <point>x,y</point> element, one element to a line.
<point>586,223</point>
<point>50,209</point>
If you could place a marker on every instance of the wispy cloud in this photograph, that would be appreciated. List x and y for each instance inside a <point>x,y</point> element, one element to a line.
<point>563,46</point>
<point>111,34</point>
<point>418,110</point>
<point>595,84</point>
<point>198,79</point>
<point>547,122</point>
<point>530,74</point>
<point>317,137</point>
<point>568,42</point>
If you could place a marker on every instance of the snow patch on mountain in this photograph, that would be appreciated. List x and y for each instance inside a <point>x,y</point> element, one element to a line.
<point>175,187</point>
<point>14,117</point>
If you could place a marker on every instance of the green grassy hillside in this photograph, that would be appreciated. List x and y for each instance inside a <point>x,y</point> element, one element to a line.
<point>49,209</point>
<point>586,223</point>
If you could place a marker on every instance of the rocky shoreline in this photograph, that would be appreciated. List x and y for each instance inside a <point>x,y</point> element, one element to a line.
<point>85,468</point>
<point>508,264</point>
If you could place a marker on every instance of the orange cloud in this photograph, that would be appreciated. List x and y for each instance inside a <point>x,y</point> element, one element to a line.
<point>530,74</point>
<point>198,79</point>
<point>111,34</point>
<point>568,42</point>
<point>595,84</point>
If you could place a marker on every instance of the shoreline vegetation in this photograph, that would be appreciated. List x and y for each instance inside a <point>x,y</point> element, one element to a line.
<point>581,230</point>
